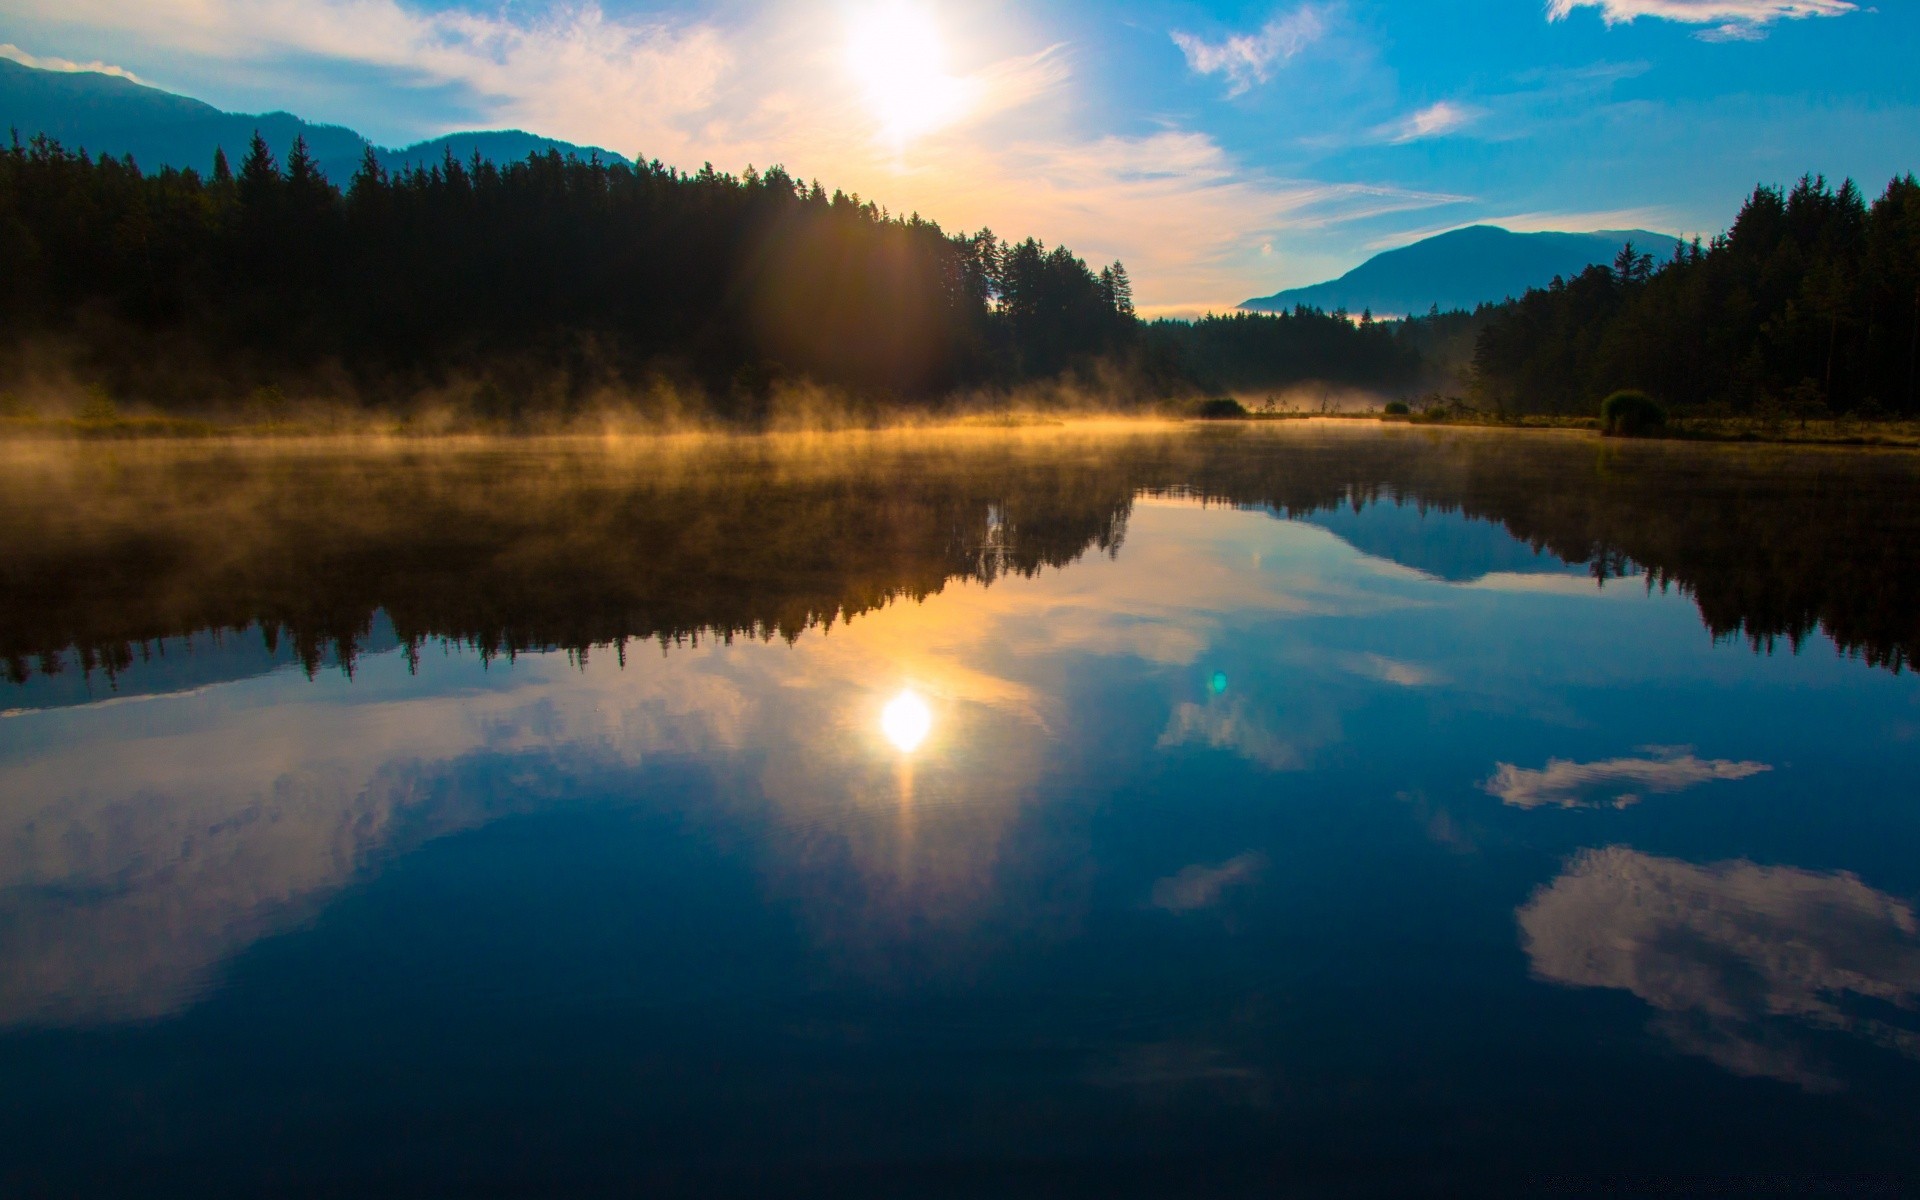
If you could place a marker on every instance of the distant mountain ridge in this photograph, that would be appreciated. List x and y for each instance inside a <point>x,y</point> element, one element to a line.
<point>106,114</point>
<point>1482,264</point>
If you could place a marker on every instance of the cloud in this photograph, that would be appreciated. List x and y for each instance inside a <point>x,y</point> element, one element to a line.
<point>16,54</point>
<point>1730,20</point>
<point>1389,670</point>
<point>1180,209</point>
<point>772,87</point>
<point>1737,958</point>
<point>1590,785</point>
<point>1231,727</point>
<point>1248,60</point>
<point>572,72</point>
<point>1202,886</point>
<point>1435,120</point>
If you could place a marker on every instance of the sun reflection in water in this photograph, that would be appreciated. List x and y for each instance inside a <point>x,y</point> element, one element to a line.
<point>906,721</point>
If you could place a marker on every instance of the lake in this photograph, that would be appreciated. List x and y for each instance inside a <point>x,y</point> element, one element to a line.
<point>1309,809</point>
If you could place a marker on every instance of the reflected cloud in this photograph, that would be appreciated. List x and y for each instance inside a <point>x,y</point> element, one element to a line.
<point>1201,886</point>
<point>1544,584</point>
<point>1229,725</point>
<point>139,851</point>
<point>1163,1072</point>
<point>1390,670</point>
<point>1565,784</point>
<point>1738,959</point>
<point>136,855</point>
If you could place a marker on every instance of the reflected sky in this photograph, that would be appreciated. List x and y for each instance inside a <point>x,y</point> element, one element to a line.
<point>1300,853</point>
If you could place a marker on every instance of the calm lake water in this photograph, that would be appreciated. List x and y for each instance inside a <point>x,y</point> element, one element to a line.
<point>1314,811</point>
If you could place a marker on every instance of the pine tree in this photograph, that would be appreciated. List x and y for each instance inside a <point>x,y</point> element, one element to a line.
<point>303,174</point>
<point>1121,287</point>
<point>259,173</point>
<point>222,173</point>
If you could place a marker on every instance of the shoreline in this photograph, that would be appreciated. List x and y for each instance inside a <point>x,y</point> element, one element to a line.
<point>1750,431</point>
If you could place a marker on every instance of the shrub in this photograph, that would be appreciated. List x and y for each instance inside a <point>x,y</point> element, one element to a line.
<point>1398,408</point>
<point>1630,413</point>
<point>1223,408</point>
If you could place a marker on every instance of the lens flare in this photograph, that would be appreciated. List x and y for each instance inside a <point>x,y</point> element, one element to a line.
<point>906,721</point>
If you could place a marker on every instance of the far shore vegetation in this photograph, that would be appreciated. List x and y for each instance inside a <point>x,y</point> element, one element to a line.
<point>556,295</point>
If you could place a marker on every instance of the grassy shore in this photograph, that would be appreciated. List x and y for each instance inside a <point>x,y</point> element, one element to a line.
<point>1886,434</point>
<point>1883,433</point>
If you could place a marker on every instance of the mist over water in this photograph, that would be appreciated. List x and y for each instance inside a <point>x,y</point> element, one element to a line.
<point>1222,810</point>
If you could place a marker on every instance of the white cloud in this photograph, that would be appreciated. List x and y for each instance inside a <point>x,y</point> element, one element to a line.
<point>572,72</point>
<point>1389,670</point>
<point>1435,120</point>
<point>1231,727</point>
<point>1249,59</point>
<point>1616,782</point>
<point>1736,958</point>
<point>1729,20</point>
<point>16,54</point>
<point>775,87</point>
<point>1203,886</point>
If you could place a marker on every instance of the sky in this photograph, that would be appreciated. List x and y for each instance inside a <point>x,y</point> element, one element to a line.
<point>1221,150</point>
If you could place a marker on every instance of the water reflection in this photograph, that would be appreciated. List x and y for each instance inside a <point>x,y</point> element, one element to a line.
<point>112,552</point>
<point>906,721</point>
<point>1021,773</point>
<point>1566,784</point>
<point>1738,959</point>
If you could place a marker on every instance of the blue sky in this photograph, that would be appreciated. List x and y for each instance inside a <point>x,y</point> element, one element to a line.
<point>1222,150</point>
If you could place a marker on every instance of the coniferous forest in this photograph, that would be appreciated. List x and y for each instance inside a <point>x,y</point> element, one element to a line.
<point>1809,304</point>
<point>544,279</point>
<point>536,289</point>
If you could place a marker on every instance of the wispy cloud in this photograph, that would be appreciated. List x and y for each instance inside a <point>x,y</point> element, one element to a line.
<point>1726,20</point>
<point>1435,120</point>
<point>16,54</point>
<point>1394,671</point>
<point>1203,886</point>
<point>1248,60</point>
<point>1615,783</point>
<point>773,87</point>
<point>572,72</point>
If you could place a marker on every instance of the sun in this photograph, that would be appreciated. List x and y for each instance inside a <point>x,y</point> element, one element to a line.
<point>897,55</point>
<point>906,721</point>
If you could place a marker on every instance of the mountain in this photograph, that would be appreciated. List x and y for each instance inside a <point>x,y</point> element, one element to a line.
<point>111,115</point>
<point>1463,269</point>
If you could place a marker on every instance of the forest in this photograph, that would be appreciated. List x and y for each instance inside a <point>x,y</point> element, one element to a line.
<point>533,285</point>
<point>532,291</point>
<point>1808,306</point>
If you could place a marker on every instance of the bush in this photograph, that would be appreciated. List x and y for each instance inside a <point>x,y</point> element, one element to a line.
<point>1398,408</point>
<point>1223,408</point>
<point>1630,413</point>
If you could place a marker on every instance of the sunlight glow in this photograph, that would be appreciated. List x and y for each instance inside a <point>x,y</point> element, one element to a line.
<point>896,54</point>
<point>906,721</point>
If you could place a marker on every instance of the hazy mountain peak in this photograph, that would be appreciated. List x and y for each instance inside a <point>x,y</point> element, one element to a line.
<point>1462,269</point>
<point>108,114</point>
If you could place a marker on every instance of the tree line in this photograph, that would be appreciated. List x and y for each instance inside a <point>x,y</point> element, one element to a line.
<point>583,547</point>
<point>545,278</point>
<point>1809,305</point>
<point>527,290</point>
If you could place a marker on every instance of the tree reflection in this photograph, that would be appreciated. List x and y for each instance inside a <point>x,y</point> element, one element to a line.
<point>584,547</point>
